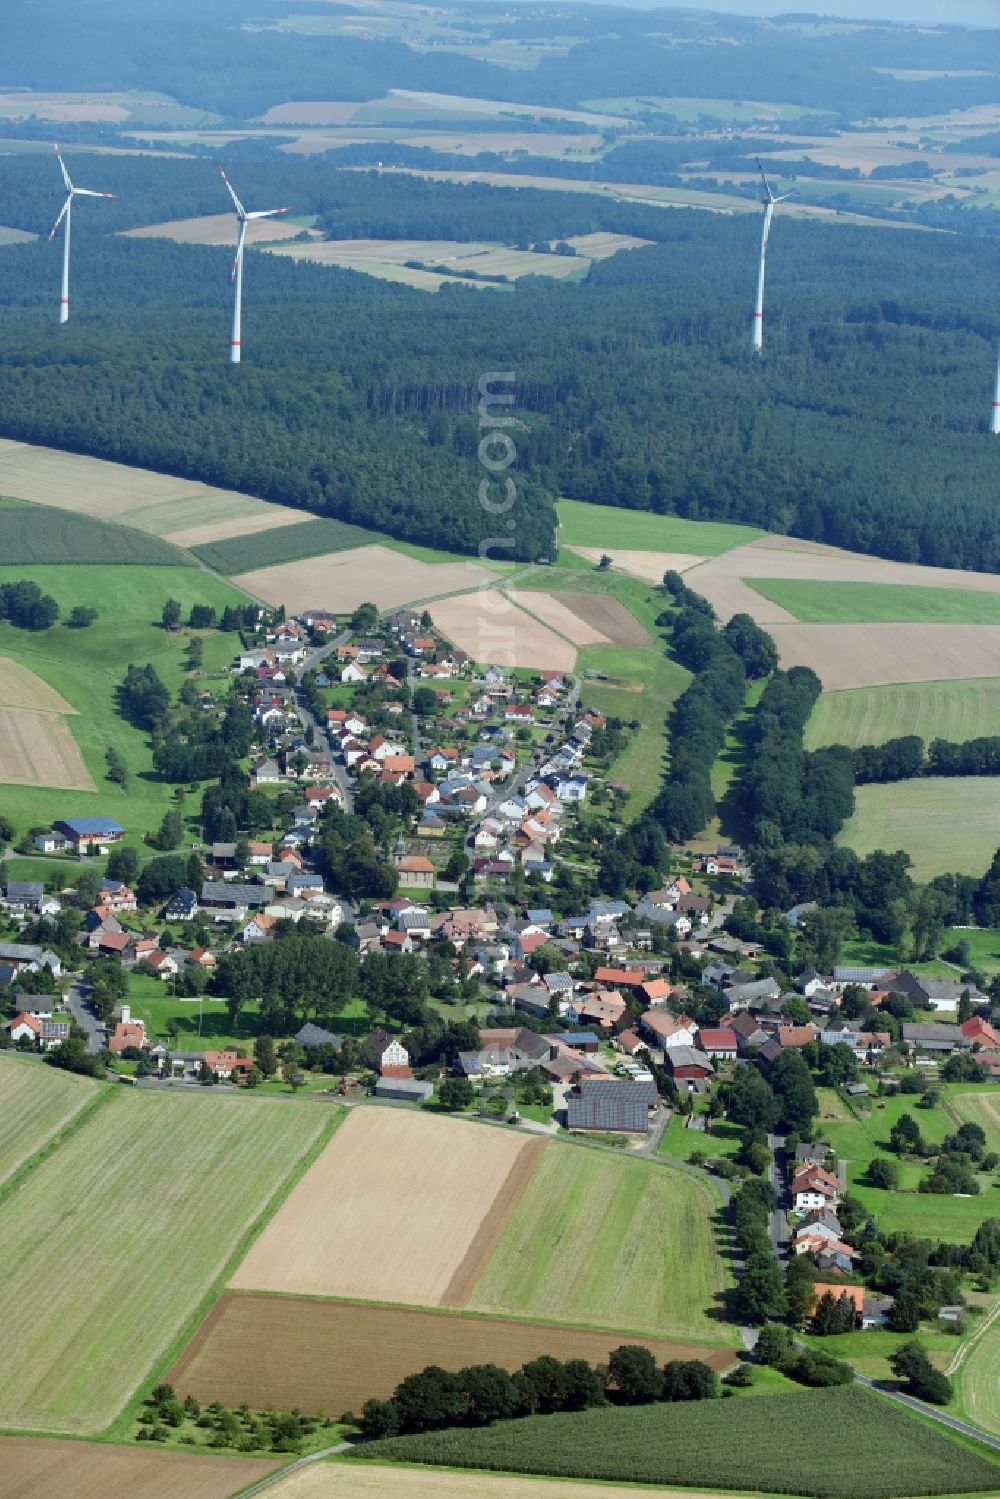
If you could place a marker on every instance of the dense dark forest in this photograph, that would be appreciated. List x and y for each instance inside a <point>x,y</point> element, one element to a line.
<point>140,44</point>
<point>864,425</point>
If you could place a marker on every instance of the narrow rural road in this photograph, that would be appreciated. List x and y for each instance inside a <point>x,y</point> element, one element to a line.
<point>778,1221</point>
<point>282,1473</point>
<point>78,1004</point>
<point>964,1427</point>
<point>321,737</point>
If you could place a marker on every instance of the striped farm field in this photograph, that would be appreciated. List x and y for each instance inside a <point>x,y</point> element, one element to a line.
<point>934,710</point>
<point>979,1380</point>
<point>126,1227</point>
<point>611,1242</point>
<point>982,1109</point>
<point>35,1102</point>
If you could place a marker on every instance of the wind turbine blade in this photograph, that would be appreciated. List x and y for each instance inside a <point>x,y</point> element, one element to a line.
<point>238,205</point>
<point>268,213</point>
<point>62,214</point>
<point>763,176</point>
<point>86,192</point>
<point>239,251</point>
<point>62,168</point>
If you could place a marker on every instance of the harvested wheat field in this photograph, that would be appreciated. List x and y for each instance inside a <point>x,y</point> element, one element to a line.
<point>273,518</point>
<point>216,229</point>
<point>604,243</point>
<point>330,1356</point>
<point>40,1467</point>
<point>719,579</point>
<point>446,256</point>
<point>136,497</point>
<point>397,1208</point>
<point>869,655</point>
<point>20,688</point>
<point>649,566</point>
<point>345,1480</point>
<point>37,749</point>
<point>312,112</point>
<point>492,628</point>
<point>342,580</point>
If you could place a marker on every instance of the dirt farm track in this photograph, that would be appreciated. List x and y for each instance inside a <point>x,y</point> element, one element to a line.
<point>39,1468</point>
<point>330,1356</point>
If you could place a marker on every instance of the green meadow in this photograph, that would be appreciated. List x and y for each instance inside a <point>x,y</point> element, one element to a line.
<point>946,824</point>
<point>934,710</point>
<point>608,526</point>
<point>87,665</point>
<point>878,603</point>
<point>863,1136</point>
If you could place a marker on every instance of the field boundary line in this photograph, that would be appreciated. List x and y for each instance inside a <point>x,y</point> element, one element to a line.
<point>118,1430</point>
<point>482,1316</point>
<point>105,1091</point>
<point>976,1336</point>
<point>490,1230</point>
<point>537,618</point>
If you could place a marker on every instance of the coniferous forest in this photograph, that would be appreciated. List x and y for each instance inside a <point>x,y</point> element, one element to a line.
<point>864,425</point>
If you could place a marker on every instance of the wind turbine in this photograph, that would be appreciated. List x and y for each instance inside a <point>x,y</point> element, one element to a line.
<point>995,423</point>
<point>242,218</point>
<point>67,213</point>
<point>769,203</point>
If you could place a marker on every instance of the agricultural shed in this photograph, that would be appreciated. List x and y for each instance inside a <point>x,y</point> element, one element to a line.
<point>405,1089</point>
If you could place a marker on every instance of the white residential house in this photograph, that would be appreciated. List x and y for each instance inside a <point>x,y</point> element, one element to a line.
<point>573,789</point>
<point>352,672</point>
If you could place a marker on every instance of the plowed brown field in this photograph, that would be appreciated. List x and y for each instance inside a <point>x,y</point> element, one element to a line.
<point>40,1468</point>
<point>330,1356</point>
<point>389,1212</point>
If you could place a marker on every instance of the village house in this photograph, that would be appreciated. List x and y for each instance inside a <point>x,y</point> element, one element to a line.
<point>90,835</point>
<point>667,1030</point>
<point>813,1187</point>
<point>688,1066</point>
<point>719,1044</point>
<point>45,1032</point>
<point>29,957</point>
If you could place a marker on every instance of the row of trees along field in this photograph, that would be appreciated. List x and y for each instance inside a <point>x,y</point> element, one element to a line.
<point>207,57</point>
<point>864,426</point>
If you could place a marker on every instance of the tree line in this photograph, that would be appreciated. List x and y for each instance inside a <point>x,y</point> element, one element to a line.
<point>903,758</point>
<point>483,1393</point>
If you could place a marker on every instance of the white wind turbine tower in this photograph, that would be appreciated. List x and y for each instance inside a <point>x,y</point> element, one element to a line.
<point>242,218</point>
<point>67,214</point>
<point>995,423</point>
<point>769,203</point>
